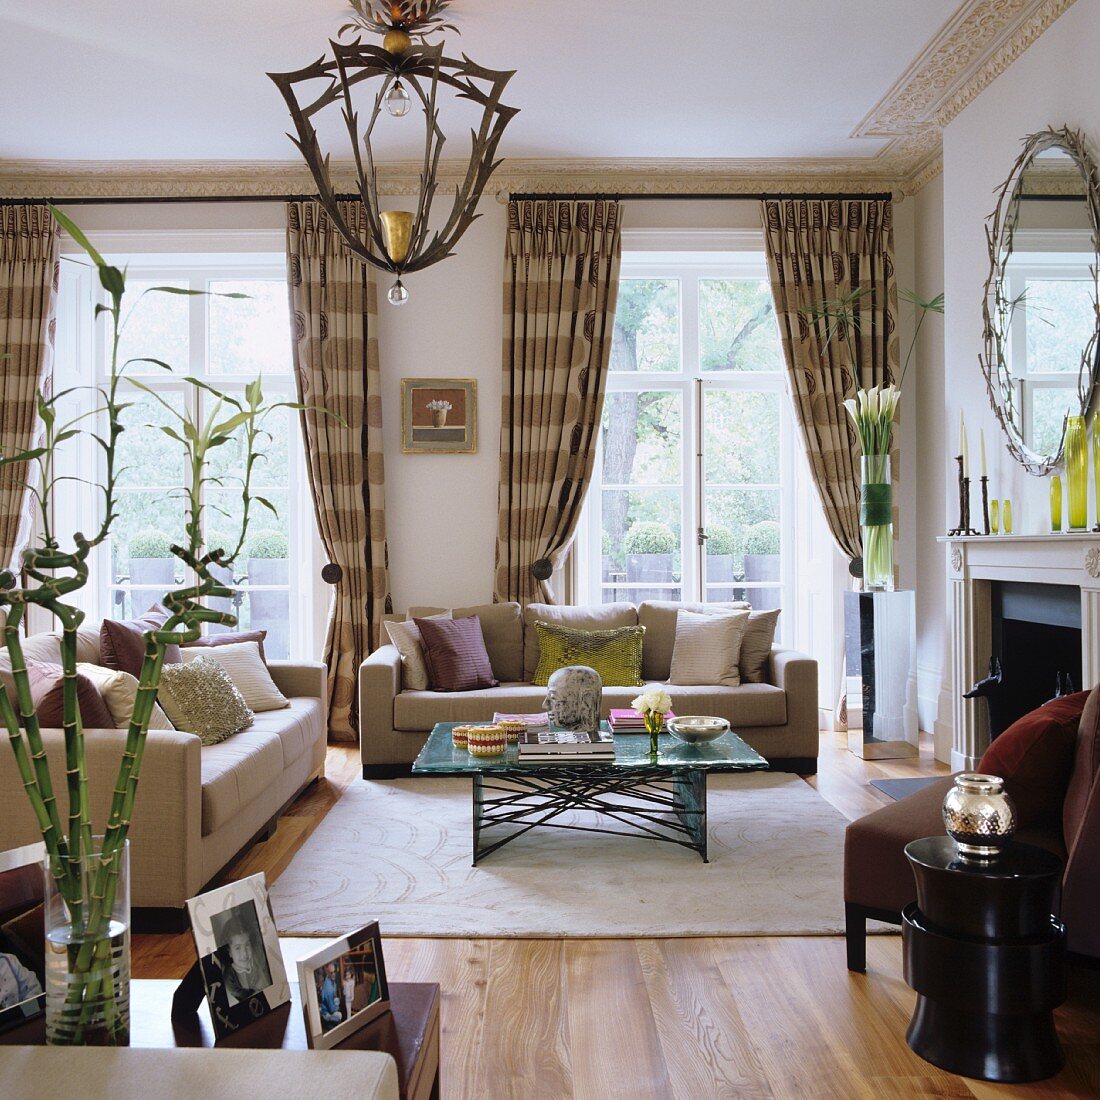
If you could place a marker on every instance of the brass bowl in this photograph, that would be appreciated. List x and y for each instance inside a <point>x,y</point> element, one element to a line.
<point>697,729</point>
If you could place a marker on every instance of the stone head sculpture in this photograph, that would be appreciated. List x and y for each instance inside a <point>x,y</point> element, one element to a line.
<point>573,698</point>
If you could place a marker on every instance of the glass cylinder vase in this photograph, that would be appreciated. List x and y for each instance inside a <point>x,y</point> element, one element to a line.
<point>1077,472</point>
<point>876,521</point>
<point>1055,502</point>
<point>87,923</point>
<point>654,723</point>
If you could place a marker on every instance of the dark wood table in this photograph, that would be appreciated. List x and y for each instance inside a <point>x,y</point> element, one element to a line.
<point>987,961</point>
<point>409,1032</point>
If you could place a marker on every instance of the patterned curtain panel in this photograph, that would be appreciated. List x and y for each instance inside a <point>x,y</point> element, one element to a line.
<point>823,250</point>
<point>561,284</point>
<point>333,306</point>
<point>29,244</point>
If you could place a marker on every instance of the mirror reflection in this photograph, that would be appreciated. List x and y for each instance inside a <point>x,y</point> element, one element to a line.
<point>1042,298</point>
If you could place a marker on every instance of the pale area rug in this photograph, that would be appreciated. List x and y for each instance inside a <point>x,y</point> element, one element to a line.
<point>399,852</point>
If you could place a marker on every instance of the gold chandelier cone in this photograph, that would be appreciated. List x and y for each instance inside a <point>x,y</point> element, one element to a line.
<point>397,233</point>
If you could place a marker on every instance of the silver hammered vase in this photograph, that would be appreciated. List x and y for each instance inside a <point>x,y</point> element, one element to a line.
<point>979,816</point>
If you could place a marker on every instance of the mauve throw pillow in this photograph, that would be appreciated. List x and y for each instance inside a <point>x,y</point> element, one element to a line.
<point>256,636</point>
<point>454,651</point>
<point>47,690</point>
<point>1034,757</point>
<point>122,643</point>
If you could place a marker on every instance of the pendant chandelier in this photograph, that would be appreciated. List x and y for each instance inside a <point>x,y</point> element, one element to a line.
<point>405,70</point>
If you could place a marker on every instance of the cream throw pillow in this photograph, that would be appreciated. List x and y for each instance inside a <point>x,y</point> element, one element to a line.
<point>200,698</point>
<point>119,691</point>
<point>244,666</point>
<point>406,637</point>
<point>756,646</point>
<point>707,648</point>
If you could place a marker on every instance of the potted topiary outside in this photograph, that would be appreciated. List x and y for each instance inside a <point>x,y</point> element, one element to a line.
<point>268,553</point>
<point>650,547</point>
<point>722,554</point>
<point>761,542</point>
<point>152,563</point>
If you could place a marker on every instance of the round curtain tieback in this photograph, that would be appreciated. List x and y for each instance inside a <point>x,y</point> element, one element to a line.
<point>332,573</point>
<point>542,570</point>
<point>855,568</point>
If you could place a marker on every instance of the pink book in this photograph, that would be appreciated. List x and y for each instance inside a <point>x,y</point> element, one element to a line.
<point>628,715</point>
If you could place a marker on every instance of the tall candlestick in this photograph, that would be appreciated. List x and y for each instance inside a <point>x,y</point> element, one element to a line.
<point>981,446</point>
<point>962,446</point>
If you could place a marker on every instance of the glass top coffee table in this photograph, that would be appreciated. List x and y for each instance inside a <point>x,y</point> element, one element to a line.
<point>663,798</point>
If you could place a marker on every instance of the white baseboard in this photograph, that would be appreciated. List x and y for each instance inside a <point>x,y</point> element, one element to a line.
<point>934,707</point>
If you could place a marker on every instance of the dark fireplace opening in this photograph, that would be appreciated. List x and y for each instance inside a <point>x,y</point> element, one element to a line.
<point>1037,638</point>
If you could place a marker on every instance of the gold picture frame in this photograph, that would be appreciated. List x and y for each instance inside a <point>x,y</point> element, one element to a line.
<point>439,416</point>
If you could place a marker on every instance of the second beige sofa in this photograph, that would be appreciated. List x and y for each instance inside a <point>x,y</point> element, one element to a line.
<point>779,718</point>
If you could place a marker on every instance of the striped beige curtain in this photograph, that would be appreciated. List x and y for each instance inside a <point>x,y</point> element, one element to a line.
<point>333,305</point>
<point>822,250</point>
<point>561,283</point>
<point>28,298</point>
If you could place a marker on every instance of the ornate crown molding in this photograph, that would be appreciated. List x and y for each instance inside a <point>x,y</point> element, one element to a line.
<point>976,44</point>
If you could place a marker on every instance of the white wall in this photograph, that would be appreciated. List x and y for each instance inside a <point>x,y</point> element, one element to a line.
<point>1052,84</point>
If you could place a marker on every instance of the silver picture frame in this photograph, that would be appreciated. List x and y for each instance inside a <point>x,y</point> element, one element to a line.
<point>241,963</point>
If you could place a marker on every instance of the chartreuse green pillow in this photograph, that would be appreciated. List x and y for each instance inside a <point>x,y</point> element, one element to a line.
<point>615,654</point>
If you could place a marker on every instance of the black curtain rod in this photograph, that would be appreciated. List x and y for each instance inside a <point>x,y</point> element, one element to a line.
<point>574,197</point>
<point>754,196</point>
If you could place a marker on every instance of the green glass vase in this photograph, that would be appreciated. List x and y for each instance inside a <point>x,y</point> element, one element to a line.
<point>1055,503</point>
<point>1077,472</point>
<point>876,521</point>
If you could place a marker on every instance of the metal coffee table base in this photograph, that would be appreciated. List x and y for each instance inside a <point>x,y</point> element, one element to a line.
<point>658,803</point>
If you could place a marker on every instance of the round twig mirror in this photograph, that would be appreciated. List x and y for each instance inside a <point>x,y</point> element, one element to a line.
<point>1040,310</point>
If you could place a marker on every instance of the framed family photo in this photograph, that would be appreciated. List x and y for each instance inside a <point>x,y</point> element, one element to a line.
<point>343,987</point>
<point>22,938</point>
<point>438,415</point>
<point>239,958</point>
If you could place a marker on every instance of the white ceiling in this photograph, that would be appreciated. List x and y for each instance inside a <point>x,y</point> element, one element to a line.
<point>109,80</point>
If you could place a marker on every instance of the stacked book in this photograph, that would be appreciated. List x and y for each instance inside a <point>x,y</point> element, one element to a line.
<point>529,721</point>
<point>571,745</point>
<point>627,720</point>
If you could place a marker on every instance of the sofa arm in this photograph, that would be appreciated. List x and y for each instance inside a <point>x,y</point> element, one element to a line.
<point>379,686</point>
<point>796,674</point>
<point>1081,881</point>
<point>300,679</point>
<point>166,830</point>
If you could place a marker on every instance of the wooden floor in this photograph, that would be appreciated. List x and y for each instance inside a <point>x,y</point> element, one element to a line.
<point>683,1018</point>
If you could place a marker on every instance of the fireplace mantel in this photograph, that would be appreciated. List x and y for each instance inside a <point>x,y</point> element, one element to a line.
<point>1070,558</point>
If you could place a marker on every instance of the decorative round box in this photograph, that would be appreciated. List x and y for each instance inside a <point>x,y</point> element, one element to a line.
<point>487,741</point>
<point>979,816</point>
<point>460,736</point>
<point>513,729</point>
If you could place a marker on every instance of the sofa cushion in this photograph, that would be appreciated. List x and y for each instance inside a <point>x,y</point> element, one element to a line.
<point>454,652</point>
<point>226,638</point>
<point>1086,768</point>
<point>1034,757</point>
<point>236,772</point>
<point>746,706</point>
<point>298,728</point>
<point>707,647</point>
<point>502,629</point>
<point>199,697</point>
<point>616,655</point>
<point>594,617</point>
<point>48,692</point>
<point>659,619</point>
<point>122,642</point>
<point>756,646</point>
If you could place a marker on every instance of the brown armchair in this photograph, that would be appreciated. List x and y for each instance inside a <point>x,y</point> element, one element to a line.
<point>878,882</point>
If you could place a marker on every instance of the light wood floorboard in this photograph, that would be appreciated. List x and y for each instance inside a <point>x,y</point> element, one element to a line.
<point>682,1019</point>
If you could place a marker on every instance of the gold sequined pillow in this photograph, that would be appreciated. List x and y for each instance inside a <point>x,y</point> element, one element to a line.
<point>200,698</point>
<point>615,654</point>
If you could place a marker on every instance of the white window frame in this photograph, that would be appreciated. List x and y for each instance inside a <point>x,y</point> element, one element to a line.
<point>738,255</point>
<point>82,361</point>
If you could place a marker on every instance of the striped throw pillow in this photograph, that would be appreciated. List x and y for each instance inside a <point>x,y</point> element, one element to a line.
<point>615,654</point>
<point>246,669</point>
<point>454,651</point>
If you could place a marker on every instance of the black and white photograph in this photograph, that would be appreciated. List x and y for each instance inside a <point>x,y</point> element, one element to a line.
<point>343,986</point>
<point>238,947</point>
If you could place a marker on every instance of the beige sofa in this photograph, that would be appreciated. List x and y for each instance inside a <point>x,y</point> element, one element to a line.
<point>778,718</point>
<point>197,806</point>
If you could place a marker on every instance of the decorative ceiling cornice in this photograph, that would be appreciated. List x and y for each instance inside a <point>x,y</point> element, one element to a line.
<point>978,43</point>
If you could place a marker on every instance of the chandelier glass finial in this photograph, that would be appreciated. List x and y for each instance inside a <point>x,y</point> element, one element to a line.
<point>404,70</point>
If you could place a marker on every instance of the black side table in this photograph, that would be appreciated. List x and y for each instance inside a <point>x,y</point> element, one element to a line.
<point>987,961</point>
